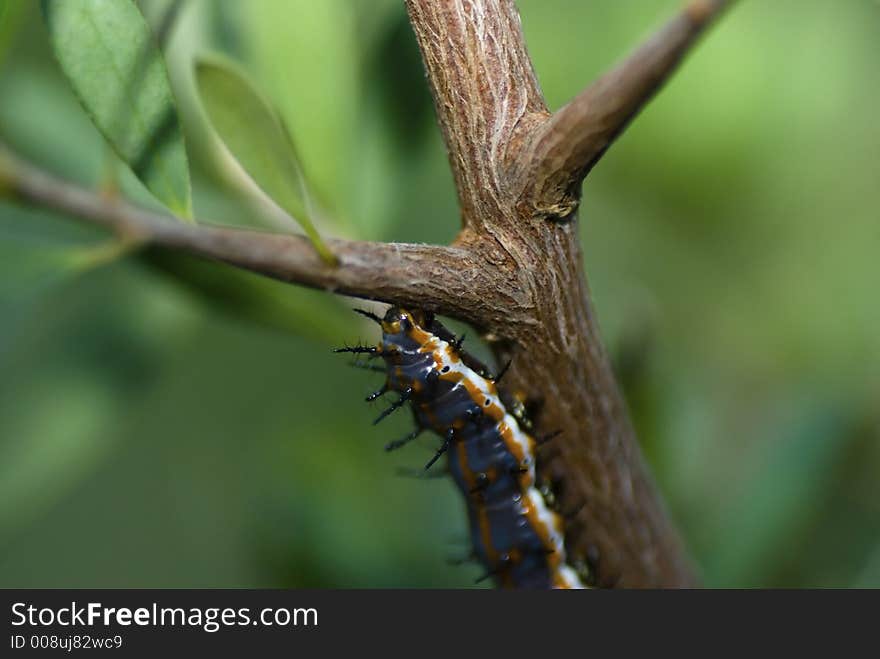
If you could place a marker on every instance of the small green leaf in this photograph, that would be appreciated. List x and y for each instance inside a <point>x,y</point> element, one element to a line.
<point>318,98</point>
<point>107,53</point>
<point>255,135</point>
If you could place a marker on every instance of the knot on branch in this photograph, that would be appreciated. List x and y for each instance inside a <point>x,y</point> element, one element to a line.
<point>557,205</point>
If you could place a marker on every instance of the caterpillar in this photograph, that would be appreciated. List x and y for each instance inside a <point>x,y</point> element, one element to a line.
<point>515,532</point>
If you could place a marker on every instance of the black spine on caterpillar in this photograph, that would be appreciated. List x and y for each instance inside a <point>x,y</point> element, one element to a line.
<point>515,533</point>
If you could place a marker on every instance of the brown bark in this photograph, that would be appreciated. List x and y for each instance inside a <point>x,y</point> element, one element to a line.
<point>515,270</point>
<point>518,171</point>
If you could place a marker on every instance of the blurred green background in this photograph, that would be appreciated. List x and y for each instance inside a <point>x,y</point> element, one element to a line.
<point>165,422</point>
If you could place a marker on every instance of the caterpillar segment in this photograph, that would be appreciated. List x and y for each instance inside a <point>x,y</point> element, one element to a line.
<point>516,534</point>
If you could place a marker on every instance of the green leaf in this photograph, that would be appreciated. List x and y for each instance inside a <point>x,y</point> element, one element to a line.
<point>107,53</point>
<point>319,98</point>
<point>256,136</point>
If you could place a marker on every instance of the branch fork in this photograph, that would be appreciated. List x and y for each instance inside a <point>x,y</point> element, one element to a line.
<point>514,276</point>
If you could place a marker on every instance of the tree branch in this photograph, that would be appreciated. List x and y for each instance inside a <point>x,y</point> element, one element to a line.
<point>401,273</point>
<point>497,130</point>
<point>485,91</point>
<point>513,275</point>
<point>564,149</point>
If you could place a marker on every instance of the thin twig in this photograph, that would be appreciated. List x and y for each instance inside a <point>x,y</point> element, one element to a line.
<point>564,149</point>
<point>393,272</point>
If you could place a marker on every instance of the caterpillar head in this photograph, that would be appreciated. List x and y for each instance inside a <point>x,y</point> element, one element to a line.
<point>398,320</point>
